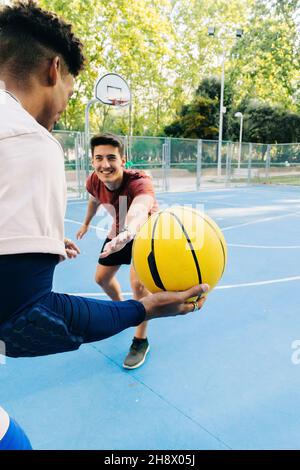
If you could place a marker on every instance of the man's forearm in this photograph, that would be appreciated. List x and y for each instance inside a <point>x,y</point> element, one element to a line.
<point>91,211</point>
<point>138,213</point>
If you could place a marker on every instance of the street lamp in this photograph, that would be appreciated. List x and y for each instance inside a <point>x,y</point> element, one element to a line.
<point>238,34</point>
<point>240,116</point>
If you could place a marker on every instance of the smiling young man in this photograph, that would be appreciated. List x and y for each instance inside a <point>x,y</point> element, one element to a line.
<point>39,60</point>
<point>128,196</point>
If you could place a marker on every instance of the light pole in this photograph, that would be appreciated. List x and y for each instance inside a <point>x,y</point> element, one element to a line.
<point>238,34</point>
<point>240,115</point>
<point>222,111</point>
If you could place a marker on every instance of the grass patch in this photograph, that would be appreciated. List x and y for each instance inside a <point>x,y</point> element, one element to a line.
<point>289,179</point>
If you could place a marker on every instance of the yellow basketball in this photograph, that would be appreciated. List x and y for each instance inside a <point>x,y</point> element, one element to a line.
<point>178,248</point>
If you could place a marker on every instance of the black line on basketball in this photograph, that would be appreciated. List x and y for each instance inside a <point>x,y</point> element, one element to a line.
<point>222,246</point>
<point>191,247</point>
<point>220,240</point>
<point>152,261</point>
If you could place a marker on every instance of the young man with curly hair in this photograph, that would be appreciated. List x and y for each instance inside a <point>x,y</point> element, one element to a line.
<point>39,60</point>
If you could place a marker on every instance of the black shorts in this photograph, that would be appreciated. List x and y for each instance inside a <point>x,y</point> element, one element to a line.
<point>119,257</point>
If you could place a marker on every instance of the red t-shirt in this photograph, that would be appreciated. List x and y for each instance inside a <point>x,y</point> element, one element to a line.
<point>117,202</point>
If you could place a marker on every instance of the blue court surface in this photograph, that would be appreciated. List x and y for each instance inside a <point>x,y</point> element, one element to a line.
<point>227,377</point>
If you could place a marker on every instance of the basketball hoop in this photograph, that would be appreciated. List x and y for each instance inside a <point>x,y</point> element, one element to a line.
<point>113,90</point>
<point>118,102</point>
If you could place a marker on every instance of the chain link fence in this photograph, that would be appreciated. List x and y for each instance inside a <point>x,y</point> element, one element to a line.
<point>189,164</point>
<point>75,164</point>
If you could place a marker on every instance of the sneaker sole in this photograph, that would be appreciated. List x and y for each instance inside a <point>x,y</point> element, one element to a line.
<point>139,363</point>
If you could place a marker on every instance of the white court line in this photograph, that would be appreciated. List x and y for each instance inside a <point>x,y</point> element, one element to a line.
<point>80,223</point>
<point>270,247</point>
<point>73,203</point>
<point>231,286</point>
<point>257,221</point>
<point>292,247</point>
<point>220,203</point>
<point>260,283</point>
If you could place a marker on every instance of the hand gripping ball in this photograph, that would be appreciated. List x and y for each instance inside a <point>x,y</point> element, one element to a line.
<point>178,248</point>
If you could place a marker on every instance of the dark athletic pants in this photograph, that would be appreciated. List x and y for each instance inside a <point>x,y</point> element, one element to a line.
<point>36,321</point>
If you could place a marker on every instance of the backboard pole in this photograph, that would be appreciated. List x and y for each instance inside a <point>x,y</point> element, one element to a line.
<point>87,134</point>
<point>130,132</point>
<point>110,89</point>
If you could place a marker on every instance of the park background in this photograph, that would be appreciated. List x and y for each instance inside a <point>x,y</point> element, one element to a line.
<point>228,377</point>
<point>173,66</point>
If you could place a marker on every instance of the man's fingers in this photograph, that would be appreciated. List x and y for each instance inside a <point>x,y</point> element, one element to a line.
<point>105,253</point>
<point>112,246</point>
<point>71,253</point>
<point>195,291</point>
<point>193,306</point>
<point>81,232</point>
<point>73,246</point>
<point>108,247</point>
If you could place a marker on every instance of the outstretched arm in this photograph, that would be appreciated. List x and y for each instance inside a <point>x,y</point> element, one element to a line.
<point>136,216</point>
<point>91,211</point>
<point>106,318</point>
<point>170,304</point>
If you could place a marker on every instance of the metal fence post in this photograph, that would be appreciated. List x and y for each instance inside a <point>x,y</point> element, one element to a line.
<point>166,160</point>
<point>82,165</point>
<point>229,149</point>
<point>268,162</point>
<point>126,147</point>
<point>163,165</point>
<point>199,164</point>
<point>77,163</point>
<point>87,134</point>
<point>249,163</point>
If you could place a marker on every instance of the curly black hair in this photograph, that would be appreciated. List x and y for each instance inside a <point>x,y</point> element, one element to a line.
<point>29,34</point>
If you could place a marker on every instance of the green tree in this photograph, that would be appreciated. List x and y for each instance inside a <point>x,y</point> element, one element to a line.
<point>129,38</point>
<point>196,120</point>
<point>266,61</point>
<point>267,123</point>
<point>200,118</point>
<point>162,48</point>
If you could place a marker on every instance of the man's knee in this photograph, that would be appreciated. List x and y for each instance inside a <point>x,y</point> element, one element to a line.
<point>138,288</point>
<point>38,331</point>
<point>99,279</point>
<point>102,279</point>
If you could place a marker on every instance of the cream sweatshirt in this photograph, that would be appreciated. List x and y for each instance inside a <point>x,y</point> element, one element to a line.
<point>32,184</point>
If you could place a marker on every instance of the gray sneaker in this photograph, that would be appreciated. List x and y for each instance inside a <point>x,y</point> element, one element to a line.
<point>137,353</point>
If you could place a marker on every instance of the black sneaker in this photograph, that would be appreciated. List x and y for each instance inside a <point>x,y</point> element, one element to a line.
<point>137,353</point>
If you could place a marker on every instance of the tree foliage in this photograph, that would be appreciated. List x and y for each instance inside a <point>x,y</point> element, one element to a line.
<point>266,123</point>
<point>162,48</point>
